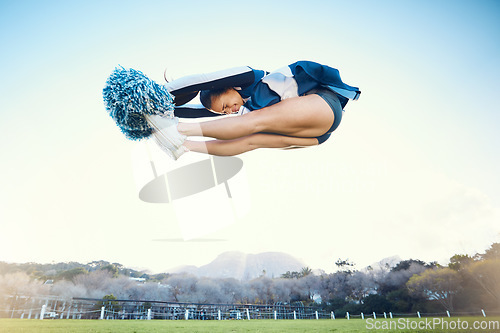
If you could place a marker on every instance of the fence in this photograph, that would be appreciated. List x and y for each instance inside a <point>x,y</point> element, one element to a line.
<point>50,307</point>
<point>418,314</point>
<point>45,307</point>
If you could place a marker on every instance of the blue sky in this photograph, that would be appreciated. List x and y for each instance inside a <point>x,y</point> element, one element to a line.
<point>411,171</point>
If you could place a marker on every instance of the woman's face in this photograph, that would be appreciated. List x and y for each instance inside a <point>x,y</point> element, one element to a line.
<point>227,103</point>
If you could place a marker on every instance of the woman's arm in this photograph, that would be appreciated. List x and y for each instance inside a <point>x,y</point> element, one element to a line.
<point>191,111</point>
<point>186,88</point>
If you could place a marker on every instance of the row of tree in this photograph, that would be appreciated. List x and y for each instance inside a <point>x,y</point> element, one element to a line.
<point>467,283</point>
<point>67,270</point>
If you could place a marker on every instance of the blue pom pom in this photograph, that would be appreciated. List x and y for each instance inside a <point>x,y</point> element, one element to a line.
<point>129,95</point>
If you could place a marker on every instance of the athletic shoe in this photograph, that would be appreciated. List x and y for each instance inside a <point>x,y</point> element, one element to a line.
<point>172,152</point>
<point>166,135</point>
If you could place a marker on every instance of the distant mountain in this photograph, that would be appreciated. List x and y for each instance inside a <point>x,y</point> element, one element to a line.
<point>244,266</point>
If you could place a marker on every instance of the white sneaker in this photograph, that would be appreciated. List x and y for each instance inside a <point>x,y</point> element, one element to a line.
<point>167,136</point>
<point>171,151</point>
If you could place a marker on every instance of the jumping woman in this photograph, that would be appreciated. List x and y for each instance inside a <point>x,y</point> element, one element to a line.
<point>299,105</point>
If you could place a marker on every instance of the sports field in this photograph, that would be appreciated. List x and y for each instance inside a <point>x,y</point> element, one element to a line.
<point>192,326</point>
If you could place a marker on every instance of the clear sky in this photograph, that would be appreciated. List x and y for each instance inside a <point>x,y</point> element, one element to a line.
<point>411,171</point>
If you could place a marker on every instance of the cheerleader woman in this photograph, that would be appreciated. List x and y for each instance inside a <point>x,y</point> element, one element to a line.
<point>299,105</point>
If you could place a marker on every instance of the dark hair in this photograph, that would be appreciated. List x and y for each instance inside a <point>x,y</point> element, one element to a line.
<point>207,96</point>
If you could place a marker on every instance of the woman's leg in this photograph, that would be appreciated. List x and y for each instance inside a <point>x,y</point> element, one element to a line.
<point>304,116</point>
<point>247,143</point>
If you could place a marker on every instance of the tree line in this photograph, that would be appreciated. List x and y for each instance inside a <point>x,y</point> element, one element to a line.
<point>467,283</point>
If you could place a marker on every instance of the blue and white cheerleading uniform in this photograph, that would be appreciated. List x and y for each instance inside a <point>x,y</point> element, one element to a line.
<point>261,89</point>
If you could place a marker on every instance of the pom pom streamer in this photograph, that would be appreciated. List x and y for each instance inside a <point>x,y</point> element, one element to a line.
<point>129,95</point>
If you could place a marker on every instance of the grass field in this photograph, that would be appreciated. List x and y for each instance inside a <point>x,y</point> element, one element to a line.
<point>192,326</point>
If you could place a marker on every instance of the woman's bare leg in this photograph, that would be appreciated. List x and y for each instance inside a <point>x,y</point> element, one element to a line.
<point>305,116</point>
<point>247,143</point>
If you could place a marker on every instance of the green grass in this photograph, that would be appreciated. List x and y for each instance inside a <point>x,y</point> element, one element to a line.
<point>193,326</point>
